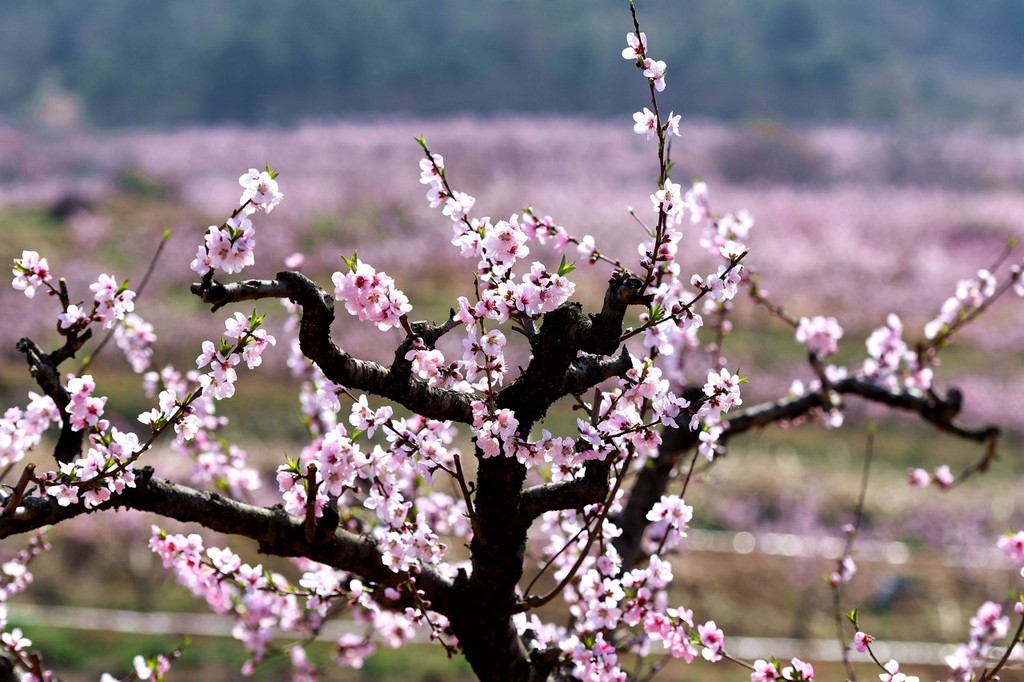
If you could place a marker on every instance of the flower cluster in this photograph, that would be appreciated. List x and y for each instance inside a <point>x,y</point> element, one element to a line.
<point>105,469</point>
<point>493,428</point>
<point>135,337</point>
<point>85,409</point>
<point>22,429</point>
<point>920,478</point>
<point>970,295</point>
<point>260,599</point>
<point>722,393</point>
<point>242,340</point>
<point>30,273</point>
<point>669,519</point>
<point>987,626</point>
<point>230,246</point>
<point>111,301</point>
<point>820,334</point>
<point>259,191</point>
<point>891,363</point>
<point>605,600</point>
<point>370,295</point>
<point>196,427</point>
<point>15,578</point>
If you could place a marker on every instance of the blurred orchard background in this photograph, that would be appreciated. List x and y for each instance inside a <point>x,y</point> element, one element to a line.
<point>879,146</point>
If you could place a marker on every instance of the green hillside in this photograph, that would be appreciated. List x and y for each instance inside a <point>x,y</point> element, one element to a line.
<point>144,63</point>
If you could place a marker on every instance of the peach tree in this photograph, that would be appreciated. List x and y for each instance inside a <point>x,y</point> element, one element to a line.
<point>430,498</point>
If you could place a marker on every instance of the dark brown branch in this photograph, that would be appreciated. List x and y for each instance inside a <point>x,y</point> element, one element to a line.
<point>484,626</point>
<point>652,480</point>
<point>338,366</point>
<point>14,501</point>
<point>576,494</point>
<point>43,369</point>
<point>588,371</point>
<point>623,291</point>
<point>276,531</point>
<point>401,369</point>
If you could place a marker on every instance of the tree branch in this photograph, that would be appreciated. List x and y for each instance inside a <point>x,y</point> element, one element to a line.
<point>276,531</point>
<point>338,366</point>
<point>652,479</point>
<point>43,369</point>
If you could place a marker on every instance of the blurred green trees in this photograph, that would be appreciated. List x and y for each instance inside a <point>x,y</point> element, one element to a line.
<point>145,63</point>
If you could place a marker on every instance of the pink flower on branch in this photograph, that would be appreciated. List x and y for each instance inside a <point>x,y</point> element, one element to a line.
<point>370,295</point>
<point>636,49</point>
<point>259,190</point>
<point>647,123</point>
<point>112,301</point>
<point>655,72</point>
<point>30,273</point>
<point>713,639</point>
<point>820,334</point>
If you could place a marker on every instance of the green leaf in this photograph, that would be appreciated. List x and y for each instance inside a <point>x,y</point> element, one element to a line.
<point>351,262</point>
<point>272,172</point>
<point>565,267</point>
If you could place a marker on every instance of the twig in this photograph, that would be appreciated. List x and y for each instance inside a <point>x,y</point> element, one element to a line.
<point>847,550</point>
<point>474,521</point>
<point>138,292</point>
<point>311,489</point>
<point>1010,646</point>
<point>19,490</point>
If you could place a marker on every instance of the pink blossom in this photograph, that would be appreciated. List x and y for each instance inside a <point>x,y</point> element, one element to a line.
<point>30,273</point>
<point>944,477</point>
<point>637,47</point>
<point>764,671</point>
<point>669,198</point>
<point>799,670</point>
<point>819,334</point>
<point>722,285</point>
<point>844,574</point>
<point>918,478</point>
<point>135,337</point>
<point>371,296</point>
<point>112,300</point>
<point>723,393</point>
<point>429,170</point>
<point>713,639</point>
<point>647,123</point>
<point>504,243</point>
<point>892,674</point>
<point>366,419</point>
<point>84,408</point>
<point>260,189</point>
<point>15,641</point>
<point>655,71</point>
<point>74,318</point>
<point>861,641</point>
<point>458,206</point>
<point>1012,545</point>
